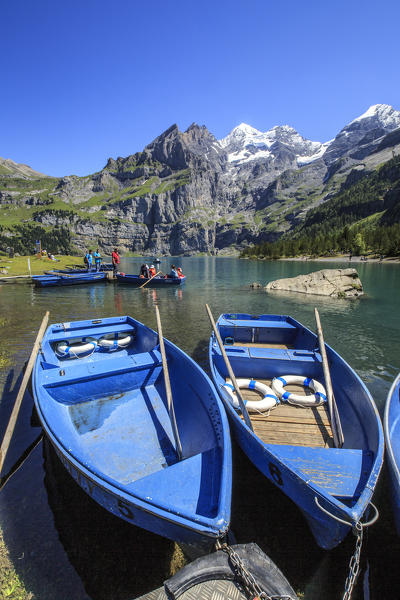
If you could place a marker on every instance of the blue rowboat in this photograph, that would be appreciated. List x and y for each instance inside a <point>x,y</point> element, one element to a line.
<point>155,282</point>
<point>77,270</point>
<point>392,437</point>
<point>100,395</point>
<point>73,279</point>
<point>292,441</point>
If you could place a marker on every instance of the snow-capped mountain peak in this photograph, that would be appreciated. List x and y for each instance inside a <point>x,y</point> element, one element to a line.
<point>377,121</point>
<point>283,144</point>
<point>241,134</point>
<point>245,143</point>
<point>385,115</point>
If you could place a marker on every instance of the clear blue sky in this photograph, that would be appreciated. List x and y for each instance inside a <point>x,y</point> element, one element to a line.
<point>83,80</point>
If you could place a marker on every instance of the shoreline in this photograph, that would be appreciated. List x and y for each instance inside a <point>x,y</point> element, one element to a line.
<point>345,258</point>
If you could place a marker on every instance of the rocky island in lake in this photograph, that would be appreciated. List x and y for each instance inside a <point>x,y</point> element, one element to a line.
<point>336,283</point>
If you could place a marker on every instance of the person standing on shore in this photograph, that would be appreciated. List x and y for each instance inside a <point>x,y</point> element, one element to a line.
<point>89,260</point>
<point>115,260</point>
<point>97,259</point>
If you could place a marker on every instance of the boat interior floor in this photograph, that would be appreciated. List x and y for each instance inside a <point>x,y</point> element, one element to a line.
<point>342,472</point>
<point>288,424</point>
<point>126,436</point>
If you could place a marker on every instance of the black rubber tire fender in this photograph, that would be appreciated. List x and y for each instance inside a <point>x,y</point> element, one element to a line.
<point>217,566</point>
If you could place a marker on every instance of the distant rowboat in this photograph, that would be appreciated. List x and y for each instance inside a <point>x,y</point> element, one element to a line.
<point>78,270</point>
<point>150,282</point>
<point>64,279</point>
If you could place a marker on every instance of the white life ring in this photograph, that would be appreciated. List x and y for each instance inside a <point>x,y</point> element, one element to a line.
<point>114,341</point>
<point>76,347</point>
<point>279,384</point>
<point>269,400</point>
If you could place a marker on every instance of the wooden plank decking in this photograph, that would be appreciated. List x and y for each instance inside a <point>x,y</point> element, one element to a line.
<point>289,424</point>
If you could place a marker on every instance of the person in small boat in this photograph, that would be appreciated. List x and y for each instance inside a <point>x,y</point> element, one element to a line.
<point>152,271</point>
<point>173,274</point>
<point>115,260</point>
<point>144,271</point>
<point>179,271</point>
<point>97,259</point>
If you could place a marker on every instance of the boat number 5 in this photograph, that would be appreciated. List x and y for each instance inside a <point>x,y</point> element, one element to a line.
<point>275,473</point>
<point>124,510</point>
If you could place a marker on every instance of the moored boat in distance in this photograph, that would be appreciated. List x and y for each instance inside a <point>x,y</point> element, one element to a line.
<point>100,394</point>
<point>292,441</point>
<point>392,437</point>
<point>78,269</point>
<point>158,281</point>
<point>68,279</point>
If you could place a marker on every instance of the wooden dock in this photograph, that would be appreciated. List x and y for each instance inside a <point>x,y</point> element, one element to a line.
<point>15,279</point>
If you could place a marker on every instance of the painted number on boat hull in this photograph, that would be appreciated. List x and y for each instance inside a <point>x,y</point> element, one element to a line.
<point>275,473</point>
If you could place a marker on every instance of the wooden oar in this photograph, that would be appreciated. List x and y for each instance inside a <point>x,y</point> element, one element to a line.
<point>146,282</point>
<point>13,418</point>
<point>171,411</point>
<point>20,461</point>
<point>337,431</point>
<point>230,371</point>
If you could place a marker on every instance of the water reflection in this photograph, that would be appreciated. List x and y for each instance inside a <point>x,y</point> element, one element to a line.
<point>118,302</point>
<point>114,558</point>
<point>333,305</point>
<point>179,294</point>
<point>96,295</point>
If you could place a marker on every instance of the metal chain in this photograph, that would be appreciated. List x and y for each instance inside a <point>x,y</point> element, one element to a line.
<point>246,577</point>
<point>354,565</point>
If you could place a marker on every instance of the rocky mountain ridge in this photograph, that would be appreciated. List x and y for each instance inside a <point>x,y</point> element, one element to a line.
<point>188,192</point>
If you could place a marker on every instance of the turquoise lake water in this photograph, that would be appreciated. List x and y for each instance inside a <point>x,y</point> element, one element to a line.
<point>64,546</point>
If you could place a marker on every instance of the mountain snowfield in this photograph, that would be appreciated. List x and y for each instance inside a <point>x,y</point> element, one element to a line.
<point>245,143</point>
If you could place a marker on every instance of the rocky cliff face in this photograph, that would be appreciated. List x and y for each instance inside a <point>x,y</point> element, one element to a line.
<point>187,192</point>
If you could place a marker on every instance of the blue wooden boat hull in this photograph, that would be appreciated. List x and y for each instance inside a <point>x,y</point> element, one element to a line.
<point>75,271</point>
<point>392,437</point>
<point>156,282</point>
<point>107,418</point>
<point>73,279</point>
<point>341,480</point>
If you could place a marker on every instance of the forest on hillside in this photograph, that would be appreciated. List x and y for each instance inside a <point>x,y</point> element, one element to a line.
<point>362,219</point>
<point>358,240</point>
<point>57,239</point>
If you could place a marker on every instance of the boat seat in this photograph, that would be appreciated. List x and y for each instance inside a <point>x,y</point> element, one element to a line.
<point>256,323</point>
<point>297,355</point>
<point>97,332</point>
<point>186,486</point>
<point>341,472</point>
<point>75,370</point>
